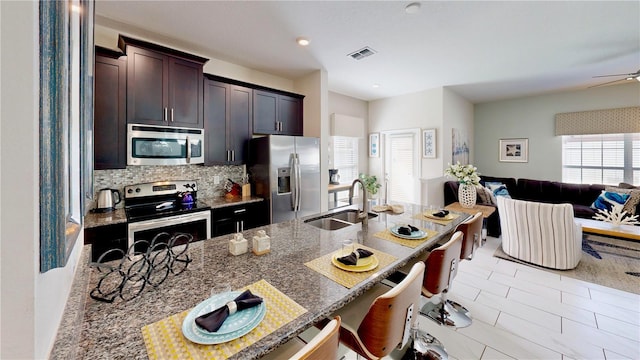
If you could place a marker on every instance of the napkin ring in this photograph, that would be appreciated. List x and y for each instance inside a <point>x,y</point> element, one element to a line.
<point>233,307</point>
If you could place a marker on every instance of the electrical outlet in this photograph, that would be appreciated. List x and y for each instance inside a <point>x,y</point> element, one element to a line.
<point>216,180</point>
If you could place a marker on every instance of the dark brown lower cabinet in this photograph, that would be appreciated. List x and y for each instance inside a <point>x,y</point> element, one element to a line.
<point>230,219</point>
<point>105,238</point>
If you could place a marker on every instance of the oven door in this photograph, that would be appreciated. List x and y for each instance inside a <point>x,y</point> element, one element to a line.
<point>198,224</point>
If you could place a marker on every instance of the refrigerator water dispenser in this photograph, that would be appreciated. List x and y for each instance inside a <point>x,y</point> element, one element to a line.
<point>284,180</point>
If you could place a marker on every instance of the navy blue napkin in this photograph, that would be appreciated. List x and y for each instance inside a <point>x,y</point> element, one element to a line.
<point>213,320</point>
<point>352,259</point>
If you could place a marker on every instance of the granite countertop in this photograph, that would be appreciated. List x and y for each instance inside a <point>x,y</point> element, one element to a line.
<point>113,330</point>
<point>92,220</point>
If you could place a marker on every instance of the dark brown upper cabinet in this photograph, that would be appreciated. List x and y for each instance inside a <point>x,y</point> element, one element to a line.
<point>164,86</point>
<point>277,113</point>
<point>228,110</point>
<point>109,119</point>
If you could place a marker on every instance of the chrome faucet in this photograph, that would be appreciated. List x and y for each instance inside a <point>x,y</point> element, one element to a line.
<point>364,215</point>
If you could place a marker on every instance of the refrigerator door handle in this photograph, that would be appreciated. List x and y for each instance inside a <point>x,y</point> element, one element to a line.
<point>298,183</point>
<point>294,181</point>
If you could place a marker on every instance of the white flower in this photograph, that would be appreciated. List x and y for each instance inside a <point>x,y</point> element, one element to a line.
<point>465,174</point>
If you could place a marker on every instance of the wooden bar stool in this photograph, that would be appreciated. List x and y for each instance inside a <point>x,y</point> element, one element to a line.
<point>384,319</point>
<point>323,346</point>
<point>441,269</point>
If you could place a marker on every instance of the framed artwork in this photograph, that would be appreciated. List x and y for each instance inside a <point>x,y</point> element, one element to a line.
<point>374,145</point>
<point>514,150</point>
<point>459,146</point>
<point>429,143</point>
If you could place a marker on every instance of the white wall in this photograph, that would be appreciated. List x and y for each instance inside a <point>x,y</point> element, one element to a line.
<point>534,118</point>
<point>106,35</point>
<point>316,121</point>
<point>31,303</point>
<point>346,105</point>
<point>417,110</point>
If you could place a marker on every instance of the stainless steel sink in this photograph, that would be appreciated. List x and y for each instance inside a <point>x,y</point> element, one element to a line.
<point>350,216</point>
<point>338,220</point>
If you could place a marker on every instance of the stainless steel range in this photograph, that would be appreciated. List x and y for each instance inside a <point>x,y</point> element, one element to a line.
<point>165,206</point>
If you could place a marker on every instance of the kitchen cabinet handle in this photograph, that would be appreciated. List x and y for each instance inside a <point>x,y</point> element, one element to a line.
<point>171,114</point>
<point>228,155</point>
<point>164,115</point>
<point>277,125</point>
<point>233,155</point>
<point>239,211</point>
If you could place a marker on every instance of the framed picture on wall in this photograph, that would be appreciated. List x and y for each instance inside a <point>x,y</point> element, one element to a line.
<point>429,143</point>
<point>374,145</point>
<point>514,150</point>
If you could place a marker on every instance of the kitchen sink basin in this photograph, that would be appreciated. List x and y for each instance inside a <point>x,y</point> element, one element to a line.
<point>350,216</point>
<point>338,220</point>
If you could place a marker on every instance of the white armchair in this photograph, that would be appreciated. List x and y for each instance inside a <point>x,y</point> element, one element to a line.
<point>540,233</point>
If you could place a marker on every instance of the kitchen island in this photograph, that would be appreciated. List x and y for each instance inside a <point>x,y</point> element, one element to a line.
<point>99,330</point>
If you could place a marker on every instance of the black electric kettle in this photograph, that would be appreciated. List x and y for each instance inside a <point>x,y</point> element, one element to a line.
<point>107,200</point>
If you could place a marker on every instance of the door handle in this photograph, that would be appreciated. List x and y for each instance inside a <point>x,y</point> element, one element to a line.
<point>188,150</point>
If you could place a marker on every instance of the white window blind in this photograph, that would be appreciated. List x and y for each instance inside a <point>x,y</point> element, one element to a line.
<point>345,157</point>
<point>601,159</point>
<point>402,167</point>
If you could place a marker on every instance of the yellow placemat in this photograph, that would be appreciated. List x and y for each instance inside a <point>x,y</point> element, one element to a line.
<point>345,278</point>
<point>388,235</point>
<point>164,339</point>
<point>441,222</point>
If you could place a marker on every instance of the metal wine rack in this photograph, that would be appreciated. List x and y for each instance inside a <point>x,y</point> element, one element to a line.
<point>136,269</point>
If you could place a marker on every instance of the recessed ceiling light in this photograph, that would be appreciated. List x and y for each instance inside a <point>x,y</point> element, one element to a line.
<point>375,86</point>
<point>302,41</point>
<point>412,8</point>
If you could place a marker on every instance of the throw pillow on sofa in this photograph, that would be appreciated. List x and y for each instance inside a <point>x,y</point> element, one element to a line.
<point>624,185</point>
<point>484,195</point>
<point>634,198</point>
<point>607,199</point>
<point>498,189</point>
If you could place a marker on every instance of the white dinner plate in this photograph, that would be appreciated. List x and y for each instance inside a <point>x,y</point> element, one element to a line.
<point>235,326</point>
<point>415,235</point>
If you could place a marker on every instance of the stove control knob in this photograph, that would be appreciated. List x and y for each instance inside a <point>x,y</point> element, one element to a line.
<point>137,190</point>
<point>130,191</point>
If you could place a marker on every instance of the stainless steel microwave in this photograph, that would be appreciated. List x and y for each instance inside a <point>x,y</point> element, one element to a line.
<point>164,145</point>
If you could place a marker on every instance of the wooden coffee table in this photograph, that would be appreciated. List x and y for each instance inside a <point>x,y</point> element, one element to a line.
<point>604,228</point>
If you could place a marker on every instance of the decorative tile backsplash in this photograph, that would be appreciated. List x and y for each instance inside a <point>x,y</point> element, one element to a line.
<point>203,175</point>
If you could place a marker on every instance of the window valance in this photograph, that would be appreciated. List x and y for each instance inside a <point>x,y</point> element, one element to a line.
<point>607,121</point>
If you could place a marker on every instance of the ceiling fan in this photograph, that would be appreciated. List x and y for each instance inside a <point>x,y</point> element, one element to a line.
<point>631,76</point>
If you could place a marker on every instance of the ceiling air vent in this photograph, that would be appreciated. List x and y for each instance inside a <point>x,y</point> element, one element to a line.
<point>362,53</point>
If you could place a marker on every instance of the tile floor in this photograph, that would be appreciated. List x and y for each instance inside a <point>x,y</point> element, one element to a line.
<point>521,312</point>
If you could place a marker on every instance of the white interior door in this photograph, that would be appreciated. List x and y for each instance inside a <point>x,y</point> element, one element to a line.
<point>402,165</point>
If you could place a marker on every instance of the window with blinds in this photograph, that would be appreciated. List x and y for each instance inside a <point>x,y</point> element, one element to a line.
<point>345,157</point>
<point>601,159</point>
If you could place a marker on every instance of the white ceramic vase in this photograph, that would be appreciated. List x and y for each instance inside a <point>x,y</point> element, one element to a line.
<point>467,195</point>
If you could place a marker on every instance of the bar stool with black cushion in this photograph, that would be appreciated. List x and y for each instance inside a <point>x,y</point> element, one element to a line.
<point>441,269</point>
<point>323,346</point>
<point>374,324</point>
<point>472,231</point>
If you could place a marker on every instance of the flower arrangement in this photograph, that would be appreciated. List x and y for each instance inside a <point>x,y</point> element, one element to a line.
<point>616,216</point>
<point>370,183</point>
<point>465,174</point>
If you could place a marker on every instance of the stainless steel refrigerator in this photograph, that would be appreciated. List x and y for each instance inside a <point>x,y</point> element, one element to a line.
<point>285,170</point>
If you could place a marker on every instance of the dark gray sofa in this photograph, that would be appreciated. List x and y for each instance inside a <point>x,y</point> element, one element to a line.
<point>580,196</point>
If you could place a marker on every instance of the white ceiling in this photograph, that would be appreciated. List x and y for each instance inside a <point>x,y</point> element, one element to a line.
<point>483,50</point>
